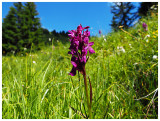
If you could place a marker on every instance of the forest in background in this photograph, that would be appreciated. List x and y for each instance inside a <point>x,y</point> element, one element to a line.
<point>123,72</point>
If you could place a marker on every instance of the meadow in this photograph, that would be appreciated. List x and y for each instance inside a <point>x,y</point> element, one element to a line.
<point>123,73</point>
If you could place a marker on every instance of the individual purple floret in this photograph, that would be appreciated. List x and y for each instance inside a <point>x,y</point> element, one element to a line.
<point>79,48</point>
<point>145,26</point>
<point>100,32</point>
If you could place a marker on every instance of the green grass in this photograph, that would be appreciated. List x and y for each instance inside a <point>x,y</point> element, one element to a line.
<point>44,90</point>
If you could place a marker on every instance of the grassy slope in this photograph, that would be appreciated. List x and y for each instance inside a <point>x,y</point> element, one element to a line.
<point>45,90</point>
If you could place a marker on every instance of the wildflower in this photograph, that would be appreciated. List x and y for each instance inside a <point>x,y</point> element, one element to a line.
<point>155,8</point>
<point>155,57</point>
<point>148,35</point>
<point>49,39</point>
<point>25,49</point>
<point>53,47</point>
<point>34,61</point>
<point>154,36</point>
<point>79,48</point>
<point>104,38</point>
<point>135,64</point>
<point>100,32</point>
<point>147,40</point>
<point>120,27</point>
<point>144,25</point>
<point>121,49</point>
<point>130,45</point>
<point>13,51</point>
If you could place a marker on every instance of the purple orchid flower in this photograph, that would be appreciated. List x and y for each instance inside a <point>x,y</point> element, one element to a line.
<point>144,25</point>
<point>79,48</point>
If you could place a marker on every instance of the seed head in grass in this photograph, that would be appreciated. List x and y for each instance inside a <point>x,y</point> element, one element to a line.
<point>79,48</point>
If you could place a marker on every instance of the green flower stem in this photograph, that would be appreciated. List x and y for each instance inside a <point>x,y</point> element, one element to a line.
<point>86,90</point>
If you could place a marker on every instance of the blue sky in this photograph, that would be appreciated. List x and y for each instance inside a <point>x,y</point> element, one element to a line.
<point>68,15</point>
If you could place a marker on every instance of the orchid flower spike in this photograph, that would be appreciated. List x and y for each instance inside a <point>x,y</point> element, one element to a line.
<point>79,48</point>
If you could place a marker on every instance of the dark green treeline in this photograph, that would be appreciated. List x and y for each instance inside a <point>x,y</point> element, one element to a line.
<point>21,30</point>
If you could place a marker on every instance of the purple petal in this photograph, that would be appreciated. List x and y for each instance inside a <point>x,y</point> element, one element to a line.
<point>91,50</point>
<point>91,43</point>
<point>84,51</point>
<point>144,25</point>
<point>86,48</point>
<point>80,28</point>
<point>83,59</point>
<point>70,52</point>
<point>86,27</point>
<point>73,72</point>
<point>69,31</point>
<point>87,33</point>
<point>72,34</point>
<point>74,61</point>
<point>77,43</point>
<point>74,31</point>
<point>86,39</point>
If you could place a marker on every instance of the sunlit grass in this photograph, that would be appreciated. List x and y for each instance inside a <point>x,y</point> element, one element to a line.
<point>38,85</point>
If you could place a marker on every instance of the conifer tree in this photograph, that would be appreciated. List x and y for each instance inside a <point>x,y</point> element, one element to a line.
<point>145,7</point>
<point>122,15</point>
<point>32,26</point>
<point>21,28</point>
<point>9,34</point>
<point>20,23</point>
